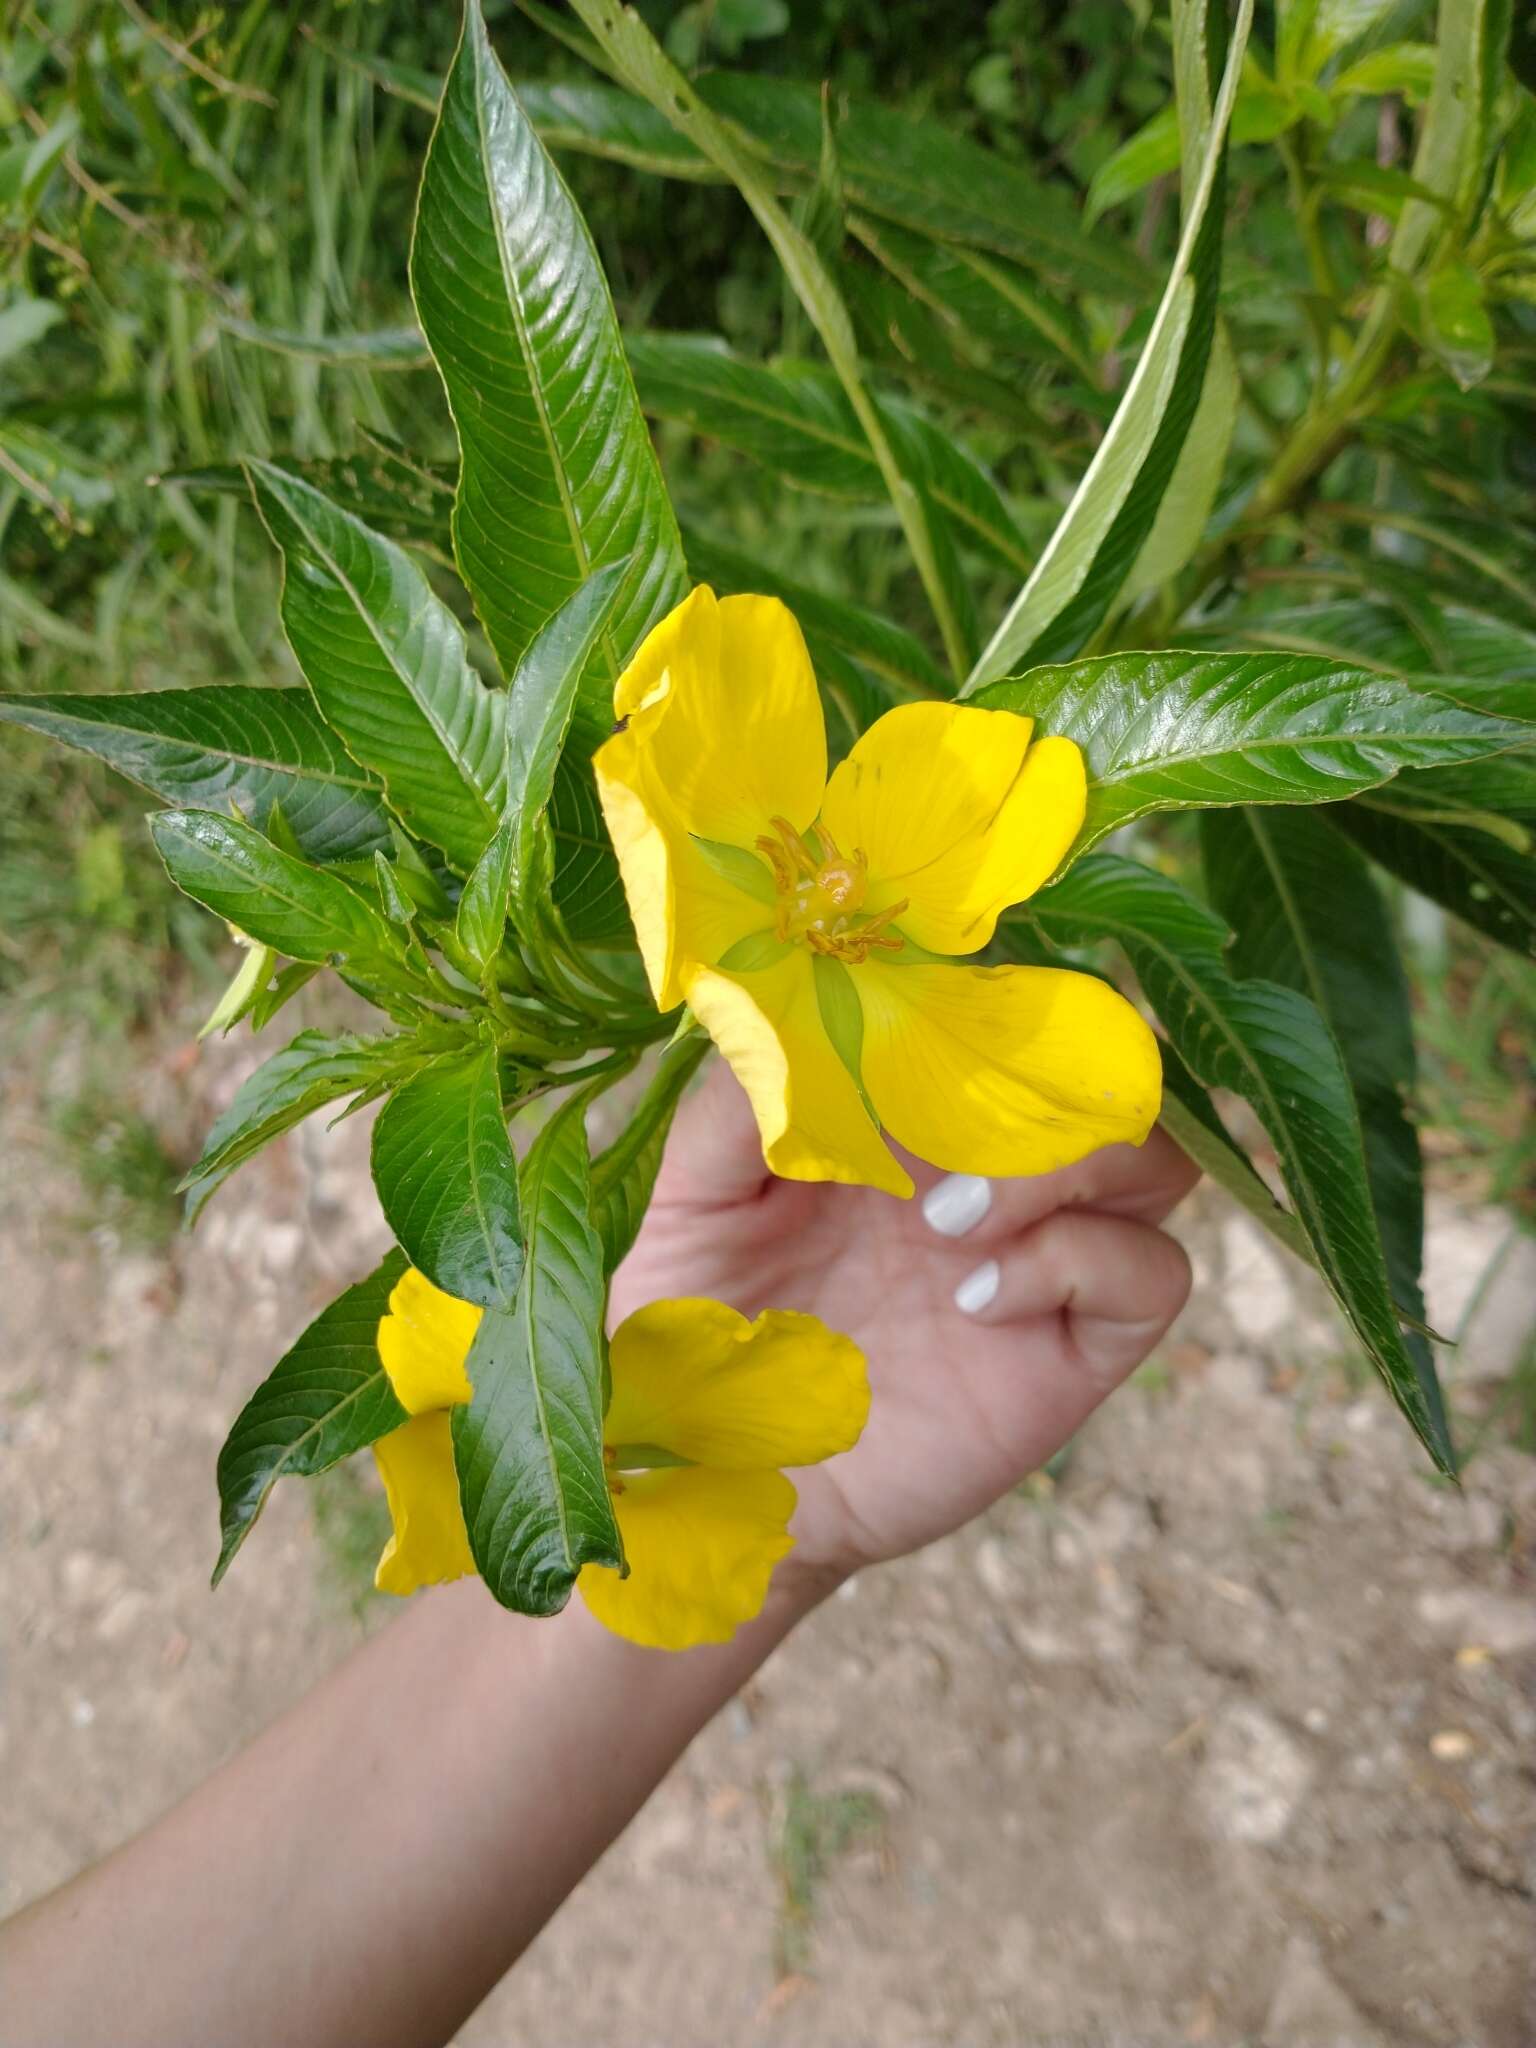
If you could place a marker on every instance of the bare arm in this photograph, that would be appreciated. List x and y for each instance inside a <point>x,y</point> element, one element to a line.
<point>379,1857</point>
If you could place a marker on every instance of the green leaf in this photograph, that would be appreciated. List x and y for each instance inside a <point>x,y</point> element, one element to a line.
<point>24,321</point>
<point>1085,564</point>
<point>314,1069</point>
<point>480,922</point>
<point>1457,326</point>
<point>1406,68</point>
<point>65,483</point>
<point>301,911</point>
<point>225,747</point>
<point>794,418</point>
<point>385,659</point>
<point>1194,731</point>
<point>1454,139</point>
<point>380,486</point>
<point>988,299</point>
<point>387,348</point>
<point>602,120</point>
<point>324,1399</point>
<point>447,1179</point>
<point>923,176</point>
<point>529,1446</point>
<point>1464,838</point>
<point>1191,1119</point>
<point>1268,1045</point>
<point>541,703</point>
<point>558,475</point>
<point>624,1174</point>
<point>886,650</point>
<point>1307,914</point>
<point>1260,114</point>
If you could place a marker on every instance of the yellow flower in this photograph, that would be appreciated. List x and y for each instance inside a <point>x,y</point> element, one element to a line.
<point>811,923</point>
<point>706,1408</point>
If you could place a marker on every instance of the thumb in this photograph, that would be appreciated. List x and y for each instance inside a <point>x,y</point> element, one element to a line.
<point>714,1156</point>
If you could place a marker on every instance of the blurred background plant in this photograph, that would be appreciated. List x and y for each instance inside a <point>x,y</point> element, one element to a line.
<point>206,213</point>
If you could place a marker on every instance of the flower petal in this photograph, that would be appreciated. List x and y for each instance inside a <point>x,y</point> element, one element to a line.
<point>1005,1070</point>
<point>423,1343</point>
<point>430,1542</point>
<point>813,1122</point>
<point>701,1547</point>
<point>722,705</point>
<point>957,813</point>
<point>697,1379</point>
<point>684,913</point>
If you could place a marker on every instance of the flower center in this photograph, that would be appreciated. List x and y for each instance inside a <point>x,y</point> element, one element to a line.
<point>821,893</point>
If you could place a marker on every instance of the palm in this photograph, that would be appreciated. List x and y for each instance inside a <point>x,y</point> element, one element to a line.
<point>961,1407</point>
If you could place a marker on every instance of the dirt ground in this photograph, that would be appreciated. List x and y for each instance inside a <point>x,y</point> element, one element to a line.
<point>1228,1736</point>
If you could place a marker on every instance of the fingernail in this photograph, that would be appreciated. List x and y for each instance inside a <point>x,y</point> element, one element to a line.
<point>957,1203</point>
<point>977,1290</point>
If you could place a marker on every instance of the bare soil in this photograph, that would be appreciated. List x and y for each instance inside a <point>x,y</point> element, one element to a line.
<point>1227,1736</point>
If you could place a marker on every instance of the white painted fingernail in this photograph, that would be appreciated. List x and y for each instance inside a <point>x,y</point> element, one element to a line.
<point>979,1289</point>
<point>957,1203</point>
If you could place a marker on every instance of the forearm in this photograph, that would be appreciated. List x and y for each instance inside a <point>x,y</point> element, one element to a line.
<point>370,1867</point>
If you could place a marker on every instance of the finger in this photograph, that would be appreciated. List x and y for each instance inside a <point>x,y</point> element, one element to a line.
<point>1146,1182</point>
<point>714,1156</point>
<point>1116,1283</point>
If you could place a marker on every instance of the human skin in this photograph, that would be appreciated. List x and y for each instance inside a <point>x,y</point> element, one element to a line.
<point>371,1865</point>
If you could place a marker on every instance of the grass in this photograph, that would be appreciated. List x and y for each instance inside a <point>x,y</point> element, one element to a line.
<point>125,1171</point>
<point>814,1830</point>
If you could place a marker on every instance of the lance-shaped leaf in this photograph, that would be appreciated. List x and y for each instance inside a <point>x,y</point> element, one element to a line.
<point>529,1446</point>
<point>385,348</point>
<point>1306,913</point>
<point>380,485</point>
<point>1195,731</point>
<point>558,475</point>
<point>795,419</point>
<point>304,912</point>
<point>447,1179</point>
<point>386,661</point>
<point>1269,1045</point>
<point>314,1069</point>
<point>223,748</point>
<point>922,175</point>
<point>541,702</point>
<point>1084,566</point>
<point>1465,837</point>
<point>984,298</point>
<point>624,1175</point>
<point>1472,655</point>
<point>324,1399</point>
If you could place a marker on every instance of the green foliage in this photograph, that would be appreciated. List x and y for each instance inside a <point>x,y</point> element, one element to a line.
<point>1235,493</point>
<point>325,1398</point>
<point>529,1445</point>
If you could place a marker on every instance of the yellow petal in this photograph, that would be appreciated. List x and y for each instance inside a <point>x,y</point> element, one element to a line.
<point>957,813</point>
<point>430,1542</point>
<point>423,1343</point>
<point>684,914</point>
<point>813,1124</point>
<point>701,1547</point>
<point>1005,1070</point>
<point>723,711</point>
<point>698,1380</point>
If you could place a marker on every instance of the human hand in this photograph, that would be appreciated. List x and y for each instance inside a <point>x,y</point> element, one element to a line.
<point>966,1400</point>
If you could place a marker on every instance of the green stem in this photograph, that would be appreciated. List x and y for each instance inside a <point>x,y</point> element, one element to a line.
<point>650,72</point>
